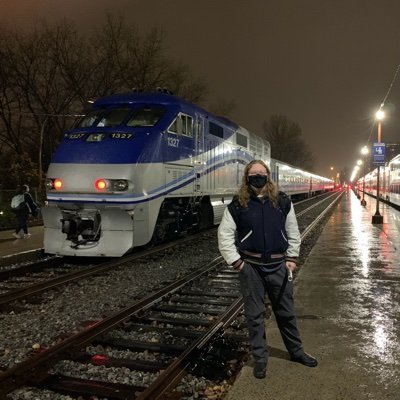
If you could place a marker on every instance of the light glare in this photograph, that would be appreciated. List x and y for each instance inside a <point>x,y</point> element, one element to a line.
<point>380,115</point>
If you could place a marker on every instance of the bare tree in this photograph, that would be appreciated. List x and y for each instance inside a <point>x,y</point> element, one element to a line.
<point>286,142</point>
<point>130,60</point>
<point>223,107</point>
<point>50,73</point>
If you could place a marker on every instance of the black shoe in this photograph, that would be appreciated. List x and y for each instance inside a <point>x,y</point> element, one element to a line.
<point>306,360</point>
<point>260,370</point>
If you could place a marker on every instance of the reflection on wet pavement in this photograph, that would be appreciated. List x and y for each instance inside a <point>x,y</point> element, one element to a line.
<point>374,290</point>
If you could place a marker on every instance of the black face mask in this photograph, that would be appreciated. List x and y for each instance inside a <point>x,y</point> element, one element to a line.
<point>257,181</point>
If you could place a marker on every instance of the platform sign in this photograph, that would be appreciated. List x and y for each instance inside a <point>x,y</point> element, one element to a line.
<point>378,153</point>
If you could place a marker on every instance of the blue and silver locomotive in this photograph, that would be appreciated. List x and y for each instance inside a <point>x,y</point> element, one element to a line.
<point>140,167</point>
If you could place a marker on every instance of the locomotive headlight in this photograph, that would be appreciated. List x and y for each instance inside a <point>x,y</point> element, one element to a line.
<point>120,185</point>
<point>111,185</point>
<point>52,184</point>
<point>101,184</point>
<point>58,184</point>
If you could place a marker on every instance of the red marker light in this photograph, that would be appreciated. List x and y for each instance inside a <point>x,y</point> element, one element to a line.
<point>58,184</point>
<point>101,184</point>
<point>99,359</point>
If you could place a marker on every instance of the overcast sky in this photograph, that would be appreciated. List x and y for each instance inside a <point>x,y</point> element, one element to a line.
<point>326,64</point>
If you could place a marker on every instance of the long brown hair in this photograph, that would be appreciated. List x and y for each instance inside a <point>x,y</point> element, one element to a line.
<point>269,191</point>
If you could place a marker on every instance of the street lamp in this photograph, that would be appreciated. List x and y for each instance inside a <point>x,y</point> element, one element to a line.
<point>377,218</point>
<point>364,152</point>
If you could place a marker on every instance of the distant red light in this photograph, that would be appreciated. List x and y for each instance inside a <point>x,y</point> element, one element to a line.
<point>101,184</point>
<point>58,184</point>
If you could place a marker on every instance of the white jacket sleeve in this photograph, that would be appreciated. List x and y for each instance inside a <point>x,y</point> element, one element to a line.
<point>292,230</point>
<point>226,238</point>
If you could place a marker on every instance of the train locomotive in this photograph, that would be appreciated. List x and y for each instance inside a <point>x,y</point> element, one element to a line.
<point>141,167</point>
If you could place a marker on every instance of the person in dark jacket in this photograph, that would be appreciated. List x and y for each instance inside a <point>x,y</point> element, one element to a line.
<point>260,239</point>
<point>22,213</point>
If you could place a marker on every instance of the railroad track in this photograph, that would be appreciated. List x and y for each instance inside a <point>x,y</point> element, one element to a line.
<point>33,290</point>
<point>207,312</point>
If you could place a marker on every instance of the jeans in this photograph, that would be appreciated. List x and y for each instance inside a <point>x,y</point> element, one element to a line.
<point>22,223</point>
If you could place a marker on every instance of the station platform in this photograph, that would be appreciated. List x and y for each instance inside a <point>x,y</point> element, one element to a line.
<point>9,245</point>
<point>347,300</point>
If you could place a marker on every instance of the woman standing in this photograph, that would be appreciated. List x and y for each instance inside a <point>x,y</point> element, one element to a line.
<point>26,207</point>
<point>259,237</point>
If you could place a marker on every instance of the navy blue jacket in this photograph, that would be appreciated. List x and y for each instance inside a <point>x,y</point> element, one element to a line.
<point>260,229</point>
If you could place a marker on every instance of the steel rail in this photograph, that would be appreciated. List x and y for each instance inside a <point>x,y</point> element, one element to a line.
<point>41,287</point>
<point>310,227</point>
<point>299,214</point>
<point>31,267</point>
<point>175,372</point>
<point>34,370</point>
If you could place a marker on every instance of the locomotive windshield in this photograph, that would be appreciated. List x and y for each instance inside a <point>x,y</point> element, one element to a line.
<point>103,118</point>
<point>141,117</point>
<point>146,117</point>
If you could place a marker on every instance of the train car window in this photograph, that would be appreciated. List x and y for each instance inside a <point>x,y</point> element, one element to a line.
<point>114,117</point>
<point>241,140</point>
<point>146,117</point>
<point>216,130</point>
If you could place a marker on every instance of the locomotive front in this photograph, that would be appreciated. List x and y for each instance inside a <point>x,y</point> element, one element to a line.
<point>98,203</point>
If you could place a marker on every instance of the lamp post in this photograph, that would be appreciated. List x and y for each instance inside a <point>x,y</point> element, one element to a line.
<point>332,174</point>
<point>40,154</point>
<point>364,152</point>
<point>359,163</point>
<point>377,218</point>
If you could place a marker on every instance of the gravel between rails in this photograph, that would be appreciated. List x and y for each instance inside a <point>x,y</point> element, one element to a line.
<point>62,312</point>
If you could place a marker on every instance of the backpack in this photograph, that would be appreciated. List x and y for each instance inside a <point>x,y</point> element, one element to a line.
<point>18,201</point>
<point>284,203</point>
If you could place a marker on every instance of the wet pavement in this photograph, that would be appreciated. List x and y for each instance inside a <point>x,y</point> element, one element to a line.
<point>347,298</point>
<point>10,245</point>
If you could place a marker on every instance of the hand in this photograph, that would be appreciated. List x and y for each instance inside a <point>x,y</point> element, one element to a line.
<point>290,265</point>
<point>240,267</point>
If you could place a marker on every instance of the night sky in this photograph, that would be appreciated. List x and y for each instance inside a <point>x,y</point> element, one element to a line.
<point>326,64</point>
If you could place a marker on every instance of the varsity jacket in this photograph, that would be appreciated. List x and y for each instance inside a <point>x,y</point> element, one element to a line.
<point>259,233</point>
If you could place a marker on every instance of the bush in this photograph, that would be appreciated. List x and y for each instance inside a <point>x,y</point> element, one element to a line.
<point>7,217</point>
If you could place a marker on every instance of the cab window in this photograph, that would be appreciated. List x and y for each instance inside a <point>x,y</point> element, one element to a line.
<point>182,125</point>
<point>89,119</point>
